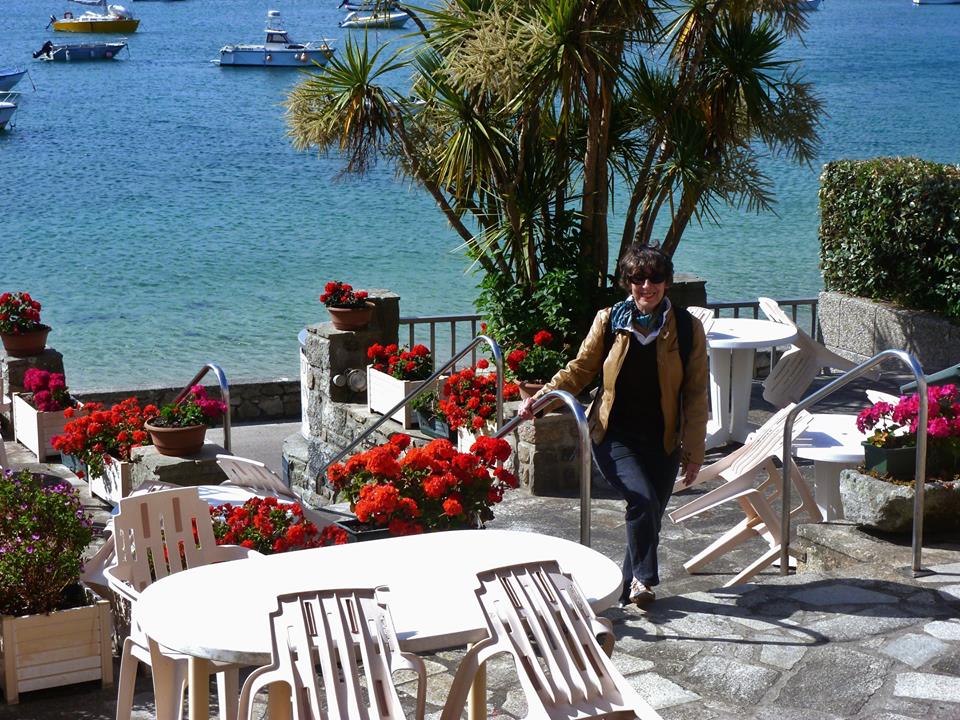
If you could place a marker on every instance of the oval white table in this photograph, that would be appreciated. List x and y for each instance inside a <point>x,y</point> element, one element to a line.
<point>220,612</point>
<point>833,442</point>
<point>732,343</point>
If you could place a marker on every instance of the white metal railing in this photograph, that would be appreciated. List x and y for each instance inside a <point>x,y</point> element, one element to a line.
<point>224,395</point>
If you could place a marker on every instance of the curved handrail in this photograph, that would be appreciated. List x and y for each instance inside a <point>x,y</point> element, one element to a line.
<point>425,385</point>
<point>583,430</point>
<point>224,395</point>
<point>921,466</point>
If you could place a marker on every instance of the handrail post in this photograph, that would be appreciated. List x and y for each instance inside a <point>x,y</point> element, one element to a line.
<point>583,432</point>
<point>920,469</point>
<point>224,395</point>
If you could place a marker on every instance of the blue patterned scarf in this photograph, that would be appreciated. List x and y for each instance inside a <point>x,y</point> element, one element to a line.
<point>625,314</point>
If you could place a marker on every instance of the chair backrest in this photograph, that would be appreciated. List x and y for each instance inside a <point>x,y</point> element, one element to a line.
<point>704,315</point>
<point>160,533</point>
<point>539,615</point>
<point>320,642</point>
<point>251,474</point>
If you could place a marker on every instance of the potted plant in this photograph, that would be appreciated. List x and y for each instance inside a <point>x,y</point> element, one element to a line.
<point>269,526</point>
<point>179,428</point>
<point>21,331</point>
<point>534,365</point>
<point>52,630</point>
<point>891,448</point>
<point>409,490</point>
<point>428,418</point>
<point>393,373</point>
<point>468,401</point>
<point>349,309</point>
<point>38,413</point>
<point>103,440</point>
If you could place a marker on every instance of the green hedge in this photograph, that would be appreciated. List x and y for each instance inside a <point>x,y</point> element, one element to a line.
<point>890,230</point>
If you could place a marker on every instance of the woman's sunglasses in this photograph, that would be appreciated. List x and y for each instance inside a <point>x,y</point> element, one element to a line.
<point>654,277</point>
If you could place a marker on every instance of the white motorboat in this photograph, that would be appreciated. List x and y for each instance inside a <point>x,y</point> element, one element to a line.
<point>9,77</point>
<point>376,19</point>
<point>7,109</point>
<point>278,50</point>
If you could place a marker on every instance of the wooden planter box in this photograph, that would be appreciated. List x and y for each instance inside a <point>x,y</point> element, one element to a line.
<point>34,429</point>
<point>384,391</point>
<point>115,483</point>
<point>62,648</point>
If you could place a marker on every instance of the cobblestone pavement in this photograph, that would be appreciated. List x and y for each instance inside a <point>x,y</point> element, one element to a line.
<point>870,643</point>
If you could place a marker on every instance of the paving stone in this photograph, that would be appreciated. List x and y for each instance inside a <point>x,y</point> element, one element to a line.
<point>730,680</point>
<point>914,650</point>
<point>629,664</point>
<point>659,691</point>
<point>835,679</point>
<point>701,710</point>
<point>861,624</point>
<point>792,713</point>
<point>927,686</point>
<point>841,593</point>
<point>948,572</point>
<point>780,654</point>
<point>951,593</point>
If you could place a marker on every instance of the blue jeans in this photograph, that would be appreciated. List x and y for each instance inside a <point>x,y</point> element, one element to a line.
<point>643,474</point>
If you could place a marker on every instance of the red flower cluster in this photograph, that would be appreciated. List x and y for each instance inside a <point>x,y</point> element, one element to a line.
<point>49,390</point>
<point>270,526</point>
<point>538,363</point>
<point>470,398</point>
<point>19,313</point>
<point>403,364</point>
<point>341,295</point>
<point>97,436</point>
<point>896,425</point>
<point>413,489</point>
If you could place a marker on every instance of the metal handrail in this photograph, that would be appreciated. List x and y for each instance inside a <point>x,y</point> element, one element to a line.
<point>224,395</point>
<point>426,385</point>
<point>921,463</point>
<point>583,430</point>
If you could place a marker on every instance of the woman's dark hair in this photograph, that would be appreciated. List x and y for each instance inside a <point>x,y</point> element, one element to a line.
<point>644,261</point>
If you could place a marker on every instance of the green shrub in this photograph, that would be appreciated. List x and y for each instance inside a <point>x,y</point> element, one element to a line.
<point>890,230</point>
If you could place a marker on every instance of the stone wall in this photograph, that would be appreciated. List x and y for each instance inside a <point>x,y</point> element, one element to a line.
<point>858,329</point>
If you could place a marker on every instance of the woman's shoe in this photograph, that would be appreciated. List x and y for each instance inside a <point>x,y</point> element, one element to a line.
<point>640,593</point>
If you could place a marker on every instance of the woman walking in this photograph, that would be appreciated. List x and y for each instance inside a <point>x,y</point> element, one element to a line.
<point>649,417</point>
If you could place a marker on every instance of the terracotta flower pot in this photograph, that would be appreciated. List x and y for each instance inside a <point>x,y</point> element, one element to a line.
<point>177,441</point>
<point>26,344</point>
<point>529,389</point>
<point>351,318</point>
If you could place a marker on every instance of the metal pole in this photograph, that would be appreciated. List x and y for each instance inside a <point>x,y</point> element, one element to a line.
<point>921,465</point>
<point>224,395</point>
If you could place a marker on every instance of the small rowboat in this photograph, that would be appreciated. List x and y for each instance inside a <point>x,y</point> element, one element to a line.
<point>75,52</point>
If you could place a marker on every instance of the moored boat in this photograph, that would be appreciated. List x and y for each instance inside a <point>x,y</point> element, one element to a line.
<point>74,52</point>
<point>810,4</point>
<point>368,5</point>
<point>113,19</point>
<point>382,20</point>
<point>936,2</point>
<point>278,50</point>
<point>7,109</point>
<point>9,77</point>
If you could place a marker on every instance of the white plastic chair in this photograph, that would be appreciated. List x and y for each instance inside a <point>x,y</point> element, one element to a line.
<point>791,376</point>
<point>253,475</point>
<point>332,632</point>
<point>742,471</point>
<point>704,315</point>
<point>154,535</point>
<point>539,616</point>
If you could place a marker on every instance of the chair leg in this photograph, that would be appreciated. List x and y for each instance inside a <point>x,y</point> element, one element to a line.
<point>756,566</point>
<point>722,545</point>
<point>127,682</point>
<point>169,683</point>
<point>228,693</point>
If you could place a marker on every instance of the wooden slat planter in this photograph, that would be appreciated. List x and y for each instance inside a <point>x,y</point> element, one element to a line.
<point>115,483</point>
<point>384,391</point>
<point>62,648</point>
<point>34,429</point>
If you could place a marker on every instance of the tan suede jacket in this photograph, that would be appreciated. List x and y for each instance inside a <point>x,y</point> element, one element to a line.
<point>580,371</point>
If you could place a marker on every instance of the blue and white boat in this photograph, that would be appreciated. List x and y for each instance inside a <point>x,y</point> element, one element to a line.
<point>79,52</point>
<point>7,108</point>
<point>377,19</point>
<point>278,50</point>
<point>9,77</point>
<point>368,5</point>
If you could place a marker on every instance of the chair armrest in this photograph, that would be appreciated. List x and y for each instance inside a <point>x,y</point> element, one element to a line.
<point>119,584</point>
<point>226,553</point>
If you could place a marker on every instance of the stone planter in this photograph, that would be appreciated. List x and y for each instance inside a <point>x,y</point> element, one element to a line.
<point>177,441</point>
<point>62,648</point>
<point>35,429</point>
<point>115,483</point>
<point>25,344</point>
<point>888,507</point>
<point>385,391</point>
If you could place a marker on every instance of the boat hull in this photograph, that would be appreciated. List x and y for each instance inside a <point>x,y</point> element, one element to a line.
<point>9,79</point>
<point>242,57</point>
<point>393,21</point>
<point>7,110</point>
<point>96,26</point>
<point>80,53</point>
<point>936,2</point>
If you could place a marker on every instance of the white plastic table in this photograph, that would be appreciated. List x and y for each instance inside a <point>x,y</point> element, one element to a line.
<point>833,442</point>
<point>220,612</point>
<point>731,343</point>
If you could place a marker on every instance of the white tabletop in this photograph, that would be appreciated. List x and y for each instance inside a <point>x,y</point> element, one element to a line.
<point>831,438</point>
<point>747,333</point>
<point>221,611</point>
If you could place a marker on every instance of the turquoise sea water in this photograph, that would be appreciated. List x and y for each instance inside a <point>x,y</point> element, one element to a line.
<point>156,208</point>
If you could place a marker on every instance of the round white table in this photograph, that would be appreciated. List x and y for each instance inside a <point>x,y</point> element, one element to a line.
<point>220,612</point>
<point>833,442</point>
<point>731,343</point>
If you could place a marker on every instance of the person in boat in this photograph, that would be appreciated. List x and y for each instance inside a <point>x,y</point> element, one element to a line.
<point>649,416</point>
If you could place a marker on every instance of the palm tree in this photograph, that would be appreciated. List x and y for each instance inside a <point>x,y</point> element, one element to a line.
<point>524,115</point>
